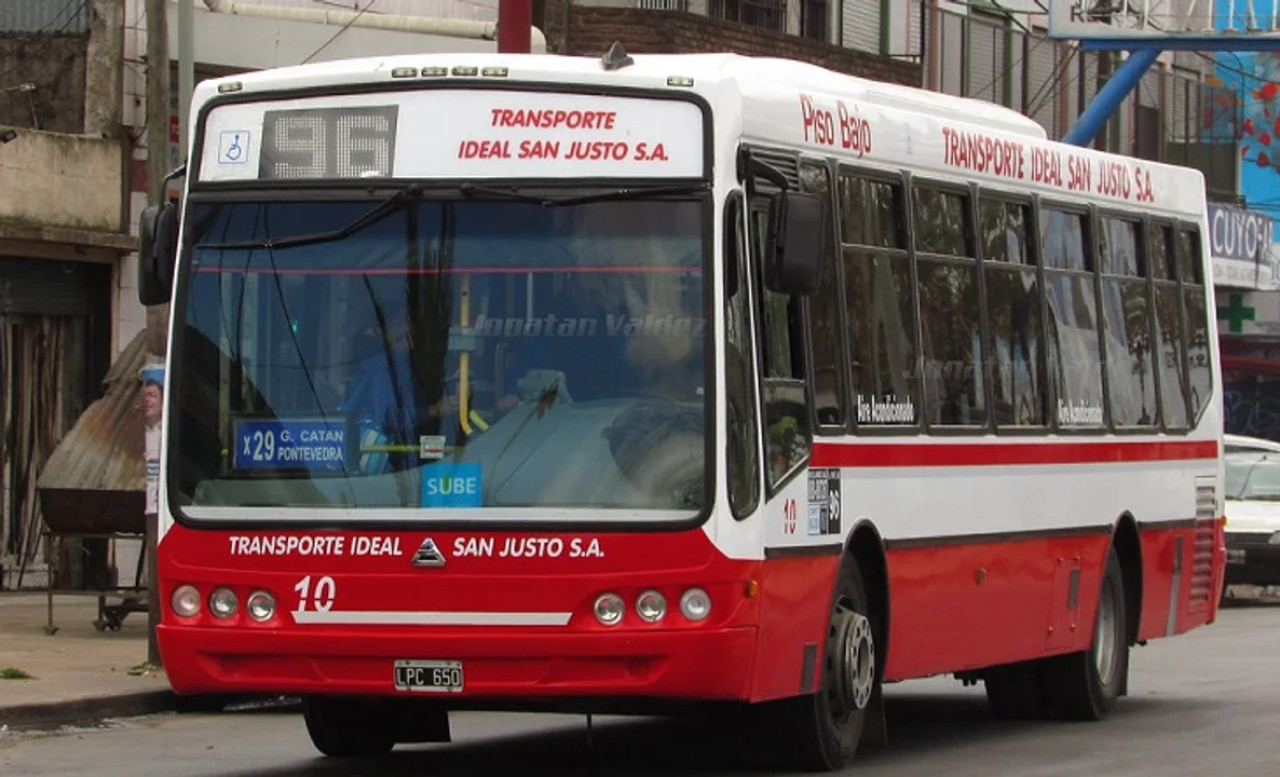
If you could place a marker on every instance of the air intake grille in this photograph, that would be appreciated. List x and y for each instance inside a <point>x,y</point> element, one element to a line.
<point>1202,548</point>
<point>1206,501</point>
<point>784,161</point>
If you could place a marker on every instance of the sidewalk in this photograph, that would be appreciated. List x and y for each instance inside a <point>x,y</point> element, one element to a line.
<point>78,674</point>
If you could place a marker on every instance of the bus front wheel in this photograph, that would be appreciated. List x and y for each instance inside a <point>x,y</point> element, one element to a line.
<point>346,727</point>
<point>823,729</point>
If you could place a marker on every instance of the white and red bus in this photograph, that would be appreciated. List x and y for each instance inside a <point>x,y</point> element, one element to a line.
<point>620,384</point>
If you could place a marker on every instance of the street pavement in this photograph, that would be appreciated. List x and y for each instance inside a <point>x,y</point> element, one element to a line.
<point>1200,703</point>
<point>77,674</point>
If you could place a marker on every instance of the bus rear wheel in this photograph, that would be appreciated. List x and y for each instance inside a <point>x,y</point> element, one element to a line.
<point>1015,691</point>
<point>1085,685</point>
<point>347,727</point>
<point>823,729</point>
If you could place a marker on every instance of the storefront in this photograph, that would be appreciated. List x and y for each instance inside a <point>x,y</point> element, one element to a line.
<point>1246,281</point>
<point>62,239</point>
<point>55,345</point>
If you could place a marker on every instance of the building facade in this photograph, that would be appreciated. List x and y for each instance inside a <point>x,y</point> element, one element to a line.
<point>63,232</point>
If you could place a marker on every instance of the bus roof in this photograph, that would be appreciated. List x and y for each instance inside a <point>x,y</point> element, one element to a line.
<point>913,128</point>
<point>654,70</point>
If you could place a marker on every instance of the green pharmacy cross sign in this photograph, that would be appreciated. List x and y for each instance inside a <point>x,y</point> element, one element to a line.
<point>1235,313</point>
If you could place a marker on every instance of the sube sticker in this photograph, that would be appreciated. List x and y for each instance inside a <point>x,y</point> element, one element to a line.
<point>451,485</point>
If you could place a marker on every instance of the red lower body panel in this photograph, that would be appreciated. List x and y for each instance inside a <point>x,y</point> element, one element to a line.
<point>1184,567</point>
<point>795,602</point>
<point>518,610</point>
<point>692,665</point>
<point>961,606</point>
<point>523,623</point>
<point>967,606</point>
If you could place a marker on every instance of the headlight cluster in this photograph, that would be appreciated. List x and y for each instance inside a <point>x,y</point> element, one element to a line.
<point>651,606</point>
<point>223,603</point>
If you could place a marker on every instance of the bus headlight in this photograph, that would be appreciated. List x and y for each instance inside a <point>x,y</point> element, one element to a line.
<point>223,603</point>
<point>651,606</point>
<point>185,601</point>
<point>261,606</point>
<point>695,604</point>
<point>609,609</point>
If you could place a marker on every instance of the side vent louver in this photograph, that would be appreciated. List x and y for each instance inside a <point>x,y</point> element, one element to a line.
<point>1202,547</point>
<point>783,161</point>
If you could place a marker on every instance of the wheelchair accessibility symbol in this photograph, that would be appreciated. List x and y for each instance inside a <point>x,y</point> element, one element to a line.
<point>233,147</point>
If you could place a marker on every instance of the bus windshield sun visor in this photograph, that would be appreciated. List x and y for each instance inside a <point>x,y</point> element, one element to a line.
<point>376,213</point>
<point>470,190</point>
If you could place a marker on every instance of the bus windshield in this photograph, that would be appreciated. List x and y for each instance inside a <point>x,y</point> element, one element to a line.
<point>433,353</point>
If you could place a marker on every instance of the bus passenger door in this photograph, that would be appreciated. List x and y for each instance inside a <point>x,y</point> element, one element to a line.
<point>799,566</point>
<point>784,395</point>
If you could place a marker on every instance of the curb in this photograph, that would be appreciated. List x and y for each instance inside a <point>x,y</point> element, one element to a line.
<point>89,711</point>
<point>35,717</point>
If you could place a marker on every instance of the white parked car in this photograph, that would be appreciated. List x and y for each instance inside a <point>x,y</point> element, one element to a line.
<point>1232,443</point>
<point>1253,511</point>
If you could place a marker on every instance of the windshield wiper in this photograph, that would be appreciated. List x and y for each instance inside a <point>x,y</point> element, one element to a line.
<point>544,403</point>
<point>471,190</point>
<point>377,212</point>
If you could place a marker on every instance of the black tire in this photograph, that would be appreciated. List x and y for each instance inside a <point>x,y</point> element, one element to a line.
<point>1085,685</point>
<point>822,730</point>
<point>346,727</point>
<point>1016,691</point>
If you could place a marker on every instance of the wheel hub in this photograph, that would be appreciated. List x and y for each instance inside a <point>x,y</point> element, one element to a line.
<point>1105,634</point>
<point>852,659</point>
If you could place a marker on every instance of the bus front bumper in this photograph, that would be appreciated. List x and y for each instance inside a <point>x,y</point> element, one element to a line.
<point>693,664</point>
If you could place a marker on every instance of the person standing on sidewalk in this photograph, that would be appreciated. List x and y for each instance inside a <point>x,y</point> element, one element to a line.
<point>153,413</point>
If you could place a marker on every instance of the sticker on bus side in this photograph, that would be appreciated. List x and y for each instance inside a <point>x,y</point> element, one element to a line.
<point>290,444</point>
<point>824,501</point>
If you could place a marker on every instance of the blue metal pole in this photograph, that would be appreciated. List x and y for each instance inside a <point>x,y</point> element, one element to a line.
<point>1110,96</point>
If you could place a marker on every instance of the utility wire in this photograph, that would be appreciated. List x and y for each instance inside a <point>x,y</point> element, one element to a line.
<point>341,30</point>
<point>48,30</point>
<point>1045,93</point>
<point>1003,74</point>
<point>1237,71</point>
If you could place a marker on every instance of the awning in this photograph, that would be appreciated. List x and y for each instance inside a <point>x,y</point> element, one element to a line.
<point>95,480</point>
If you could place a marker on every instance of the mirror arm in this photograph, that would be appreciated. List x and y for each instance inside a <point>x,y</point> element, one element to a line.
<point>177,172</point>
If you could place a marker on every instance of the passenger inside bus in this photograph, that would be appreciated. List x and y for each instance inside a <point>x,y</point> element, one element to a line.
<point>399,391</point>
<point>644,337</point>
<point>602,335</point>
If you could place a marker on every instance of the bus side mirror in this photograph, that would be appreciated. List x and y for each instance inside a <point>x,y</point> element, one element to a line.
<point>157,244</point>
<point>796,227</point>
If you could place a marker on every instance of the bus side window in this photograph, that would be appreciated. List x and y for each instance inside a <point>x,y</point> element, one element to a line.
<point>1126,323</point>
<point>1199,372</point>
<point>951,338</point>
<point>1074,354</point>
<point>742,457</point>
<point>1015,329</point>
<point>786,408</point>
<point>880,304</point>
<point>1169,340</point>
<point>826,325</point>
